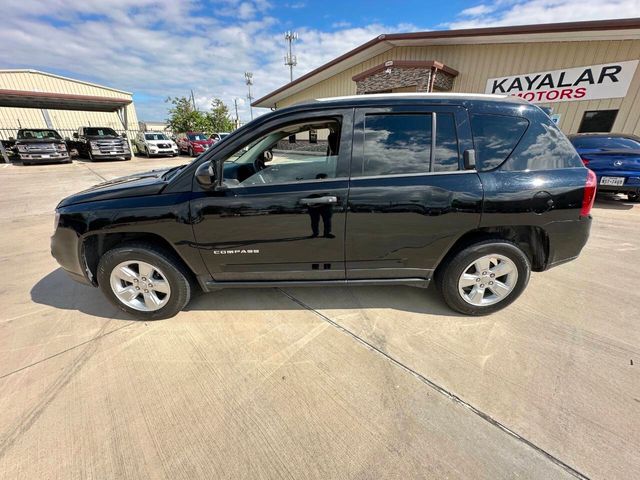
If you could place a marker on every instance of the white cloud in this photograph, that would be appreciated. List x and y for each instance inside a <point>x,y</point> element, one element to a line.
<point>521,12</point>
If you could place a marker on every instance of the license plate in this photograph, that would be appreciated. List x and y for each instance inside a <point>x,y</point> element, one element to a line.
<point>114,153</point>
<point>614,181</point>
<point>44,156</point>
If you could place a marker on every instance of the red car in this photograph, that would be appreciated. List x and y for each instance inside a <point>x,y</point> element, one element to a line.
<point>193,143</point>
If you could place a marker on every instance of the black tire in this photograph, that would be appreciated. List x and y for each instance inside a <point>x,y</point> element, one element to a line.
<point>128,157</point>
<point>450,273</point>
<point>147,152</point>
<point>175,273</point>
<point>90,155</point>
<point>633,197</point>
<point>190,152</point>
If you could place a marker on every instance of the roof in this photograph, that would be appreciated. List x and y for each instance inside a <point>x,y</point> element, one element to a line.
<point>568,31</point>
<point>60,101</point>
<point>53,75</point>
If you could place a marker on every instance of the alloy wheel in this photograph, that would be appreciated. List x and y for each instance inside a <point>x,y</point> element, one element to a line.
<point>488,280</point>
<point>140,285</point>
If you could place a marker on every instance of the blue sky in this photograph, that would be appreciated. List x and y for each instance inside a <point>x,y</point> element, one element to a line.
<point>161,48</point>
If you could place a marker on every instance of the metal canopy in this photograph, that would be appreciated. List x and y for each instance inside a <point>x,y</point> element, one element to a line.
<point>61,101</point>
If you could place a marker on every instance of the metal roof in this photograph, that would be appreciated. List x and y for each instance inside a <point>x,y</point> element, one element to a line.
<point>61,101</point>
<point>53,75</point>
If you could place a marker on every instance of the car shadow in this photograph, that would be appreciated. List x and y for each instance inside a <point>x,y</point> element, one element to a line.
<point>57,290</point>
<point>613,202</point>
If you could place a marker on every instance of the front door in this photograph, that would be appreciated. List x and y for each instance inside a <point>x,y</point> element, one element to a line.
<point>410,198</point>
<point>281,215</point>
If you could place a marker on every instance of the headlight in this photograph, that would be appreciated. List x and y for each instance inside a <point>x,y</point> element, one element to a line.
<point>93,144</point>
<point>22,148</point>
<point>61,146</point>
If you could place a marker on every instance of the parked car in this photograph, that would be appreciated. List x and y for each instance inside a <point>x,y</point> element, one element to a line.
<point>615,159</point>
<point>39,145</point>
<point>193,143</point>
<point>472,192</point>
<point>100,143</point>
<point>216,137</point>
<point>155,143</point>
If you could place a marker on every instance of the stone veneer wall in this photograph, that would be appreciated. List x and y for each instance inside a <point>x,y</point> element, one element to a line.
<point>398,77</point>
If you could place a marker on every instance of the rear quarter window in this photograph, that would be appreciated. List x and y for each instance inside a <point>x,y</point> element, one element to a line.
<point>495,137</point>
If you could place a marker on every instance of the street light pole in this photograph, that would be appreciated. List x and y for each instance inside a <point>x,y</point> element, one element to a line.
<point>290,60</point>
<point>249,81</point>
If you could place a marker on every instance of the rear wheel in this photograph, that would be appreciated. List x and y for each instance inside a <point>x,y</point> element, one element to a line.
<point>484,277</point>
<point>144,280</point>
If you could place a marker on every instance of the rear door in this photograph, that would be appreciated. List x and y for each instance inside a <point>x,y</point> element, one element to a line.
<point>410,198</point>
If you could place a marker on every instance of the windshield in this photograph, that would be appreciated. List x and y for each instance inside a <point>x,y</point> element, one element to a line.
<point>38,134</point>
<point>155,136</point>
<point>101,132</point>
<point>607,143</point>
<point>197,136</point>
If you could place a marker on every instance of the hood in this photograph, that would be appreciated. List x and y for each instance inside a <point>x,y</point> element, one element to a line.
<point>141,184</point>
<point>157,142</point>
<point>29,141</point>
<point>103,137</point>
<point>202,142</point>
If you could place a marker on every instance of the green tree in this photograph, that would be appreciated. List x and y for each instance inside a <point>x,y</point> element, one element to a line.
<point>218,117</point>
<point>182,116</point>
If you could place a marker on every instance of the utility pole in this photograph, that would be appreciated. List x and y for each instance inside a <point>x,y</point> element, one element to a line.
<point>193,100</point>
<point>249,81</point>
<point>235,104</point>
<point>290,60</point>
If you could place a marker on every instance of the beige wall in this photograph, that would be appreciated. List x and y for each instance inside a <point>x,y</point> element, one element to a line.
<point>61,119</point>
<point>477,63</point>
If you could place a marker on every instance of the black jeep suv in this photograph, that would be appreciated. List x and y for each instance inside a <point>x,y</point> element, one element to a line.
<point>471,191</point>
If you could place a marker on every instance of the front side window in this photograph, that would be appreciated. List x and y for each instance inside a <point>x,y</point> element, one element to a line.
<point>273,158</point>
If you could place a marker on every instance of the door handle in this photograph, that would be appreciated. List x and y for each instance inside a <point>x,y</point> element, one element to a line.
<point>319,200</point>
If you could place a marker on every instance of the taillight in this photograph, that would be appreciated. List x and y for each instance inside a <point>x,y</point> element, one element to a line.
<point>585,161</point>
<point>589,193</point>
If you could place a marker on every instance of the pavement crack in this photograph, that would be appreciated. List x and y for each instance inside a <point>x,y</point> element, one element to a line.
<point>452,396</point>
<point>24,423</point>
<point>94,172</point>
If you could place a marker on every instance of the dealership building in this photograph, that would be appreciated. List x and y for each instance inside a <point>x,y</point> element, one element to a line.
<point>585,73</point>
<point>34,99</point>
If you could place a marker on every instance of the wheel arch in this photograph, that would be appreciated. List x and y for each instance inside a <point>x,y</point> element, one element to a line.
<point>95,245</point>
<point>532,240</point>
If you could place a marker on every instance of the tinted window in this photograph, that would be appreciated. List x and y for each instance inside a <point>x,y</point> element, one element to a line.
<point>606,143</point>
<point>598,121</point>
<point>396,144</point>
<point>101,132</point>
<point>197,136</point>
<point>155,136</point>
<point>446,151</point>
<point>40,134</point>
<point>495,137</point>
<point>272,158</point>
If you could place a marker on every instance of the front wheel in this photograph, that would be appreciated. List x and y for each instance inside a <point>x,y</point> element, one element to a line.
<point>144,280</point>
<point>633,197</point>
<point>484,277</point>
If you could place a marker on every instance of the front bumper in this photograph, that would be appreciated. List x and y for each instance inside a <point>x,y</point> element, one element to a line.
<point>65,248</point>
<point>34,157</point>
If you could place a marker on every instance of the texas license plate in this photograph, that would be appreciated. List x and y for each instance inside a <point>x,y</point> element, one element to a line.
<point>44,156</point>
<point>114,153</point>
<point>614,181</point>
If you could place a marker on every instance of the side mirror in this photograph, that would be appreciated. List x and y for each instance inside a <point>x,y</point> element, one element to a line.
<point>469,157</point>
<point>124,135</point>
<point>75,134</point>
<point>206,175</point>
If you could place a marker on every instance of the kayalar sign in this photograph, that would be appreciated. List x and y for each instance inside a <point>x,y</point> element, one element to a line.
<point>609,80</point>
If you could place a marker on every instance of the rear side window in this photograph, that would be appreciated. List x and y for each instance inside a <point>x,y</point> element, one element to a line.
<point>396,144</point>
<point>495,137</point>
<point>446,155</point>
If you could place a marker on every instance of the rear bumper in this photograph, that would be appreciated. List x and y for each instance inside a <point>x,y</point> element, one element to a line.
<point>631,181</point>
<point>566,240</point>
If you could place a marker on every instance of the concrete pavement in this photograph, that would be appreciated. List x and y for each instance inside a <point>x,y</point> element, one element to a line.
<point>371,382</point>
